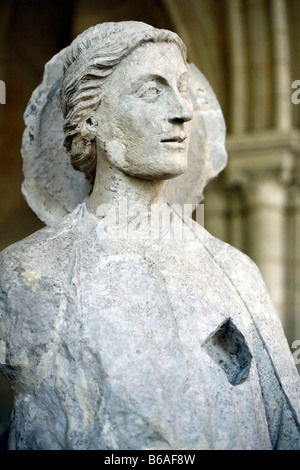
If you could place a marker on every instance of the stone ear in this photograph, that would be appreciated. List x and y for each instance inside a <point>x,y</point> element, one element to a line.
<point>91,122</point>
<point>88,129</point>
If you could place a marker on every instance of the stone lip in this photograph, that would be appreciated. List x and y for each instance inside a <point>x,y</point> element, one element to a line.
<point>52,188</point>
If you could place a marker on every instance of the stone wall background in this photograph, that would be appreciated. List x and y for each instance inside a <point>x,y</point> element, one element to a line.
<point>250,52</point>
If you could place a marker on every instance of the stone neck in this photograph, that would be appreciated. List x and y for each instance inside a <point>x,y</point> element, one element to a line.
<point>112,186</point>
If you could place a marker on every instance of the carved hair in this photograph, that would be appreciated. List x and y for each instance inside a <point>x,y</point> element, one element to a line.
<point>90,59</point>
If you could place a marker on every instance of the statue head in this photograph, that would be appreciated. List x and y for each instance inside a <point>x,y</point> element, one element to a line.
<point>118,113</point>
<point>72,113</point>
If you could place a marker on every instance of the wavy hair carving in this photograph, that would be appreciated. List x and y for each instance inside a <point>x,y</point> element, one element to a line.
<point>90,59</point>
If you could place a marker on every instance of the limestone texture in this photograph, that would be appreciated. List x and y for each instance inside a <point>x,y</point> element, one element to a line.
<point>124,344</point>
<point>124,324</point>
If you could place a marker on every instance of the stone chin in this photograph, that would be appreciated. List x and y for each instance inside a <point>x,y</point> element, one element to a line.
<point>155,174</point>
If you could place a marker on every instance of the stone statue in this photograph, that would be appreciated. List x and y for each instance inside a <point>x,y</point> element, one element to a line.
<point>123,323</point>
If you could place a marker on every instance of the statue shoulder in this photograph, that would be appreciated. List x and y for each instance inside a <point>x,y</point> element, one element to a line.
<point>242,271</point>
<point>230,259</point>
<point>239,264</point>
<point>248,281</point>
<point>30,253</point>
<point>44,250</point>
<point>244,274</point>
<point>33,274</point>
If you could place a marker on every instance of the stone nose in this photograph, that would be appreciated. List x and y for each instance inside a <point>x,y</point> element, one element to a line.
<point>181,110</point>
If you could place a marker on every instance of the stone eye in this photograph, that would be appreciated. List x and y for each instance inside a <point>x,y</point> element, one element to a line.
<point>151,93</point>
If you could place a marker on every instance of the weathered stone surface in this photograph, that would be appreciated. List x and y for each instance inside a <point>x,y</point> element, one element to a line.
<point>125,325</point>
<point>112,344</point>
<point>49,179</point>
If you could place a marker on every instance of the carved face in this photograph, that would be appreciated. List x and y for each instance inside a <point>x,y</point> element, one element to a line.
<point>145,114</point>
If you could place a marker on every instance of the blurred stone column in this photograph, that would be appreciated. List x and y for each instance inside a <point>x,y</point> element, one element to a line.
<point>265,234</point>
<point>263,164</point>
<point>296,310</point>
<point>293,263</point>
